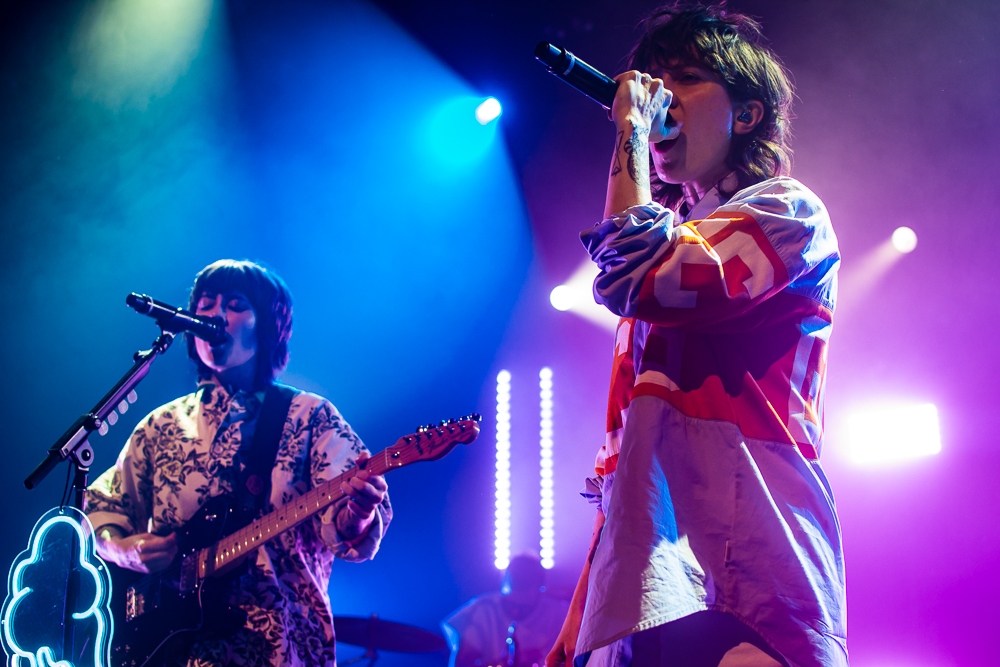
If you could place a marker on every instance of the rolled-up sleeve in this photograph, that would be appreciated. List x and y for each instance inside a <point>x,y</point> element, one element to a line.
<point>707,271</point>
<point>334,450</point>
<point>120,496</point>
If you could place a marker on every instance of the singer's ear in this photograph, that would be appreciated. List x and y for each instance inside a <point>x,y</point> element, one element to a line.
<point>746,116</point>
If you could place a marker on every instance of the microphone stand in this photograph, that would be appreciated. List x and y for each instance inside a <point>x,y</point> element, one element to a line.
<point>74,446</point>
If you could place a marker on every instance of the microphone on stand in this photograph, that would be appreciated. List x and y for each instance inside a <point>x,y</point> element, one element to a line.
<point>212,330</point>
<point>589,81</point>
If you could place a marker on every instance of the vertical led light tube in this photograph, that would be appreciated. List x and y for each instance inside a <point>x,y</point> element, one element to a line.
<point>547,514</point>
<point>501,543</point>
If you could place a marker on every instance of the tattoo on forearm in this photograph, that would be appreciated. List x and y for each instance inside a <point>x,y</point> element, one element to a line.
<point>616,166</point>
<point>637,149</point>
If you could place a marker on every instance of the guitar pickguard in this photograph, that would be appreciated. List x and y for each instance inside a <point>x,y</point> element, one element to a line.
<point>164,611</point>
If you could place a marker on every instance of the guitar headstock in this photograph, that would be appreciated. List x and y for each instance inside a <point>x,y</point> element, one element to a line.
<point>433,441</point>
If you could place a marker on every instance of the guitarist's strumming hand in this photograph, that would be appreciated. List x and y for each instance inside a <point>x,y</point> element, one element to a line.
<point>144,552</point>
<point>365,492</point>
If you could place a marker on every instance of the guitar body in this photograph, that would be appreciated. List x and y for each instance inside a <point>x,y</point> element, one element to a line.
<point>158,616</point>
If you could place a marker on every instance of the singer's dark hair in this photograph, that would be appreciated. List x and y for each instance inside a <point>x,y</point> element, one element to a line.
<point>271,302</point>
<point>732,46</point>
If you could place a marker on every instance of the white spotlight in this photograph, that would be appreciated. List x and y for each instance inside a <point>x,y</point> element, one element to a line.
<point>904,239</point>
<point>563,297</point>
<point>546,503</point>
<point>489,110</point>
<point>894,433</point>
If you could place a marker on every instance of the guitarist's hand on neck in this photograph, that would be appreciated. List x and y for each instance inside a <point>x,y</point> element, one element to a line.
<point>365,492</point>
<point>144,552</point>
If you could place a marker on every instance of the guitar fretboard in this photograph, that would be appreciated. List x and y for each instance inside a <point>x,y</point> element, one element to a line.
<point>423,445</point>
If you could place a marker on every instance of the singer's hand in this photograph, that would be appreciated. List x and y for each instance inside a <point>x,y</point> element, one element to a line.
<point>642,103</point>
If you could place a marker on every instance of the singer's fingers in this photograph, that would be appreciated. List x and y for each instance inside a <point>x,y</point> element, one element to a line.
<point>656,89</point>
<point>639,100</point>
<point>631,74</point>
<point>625,98</point>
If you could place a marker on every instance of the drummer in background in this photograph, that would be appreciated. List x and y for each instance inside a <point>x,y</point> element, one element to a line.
<point>521,611</point>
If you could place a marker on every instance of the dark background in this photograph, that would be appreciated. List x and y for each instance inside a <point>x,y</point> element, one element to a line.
<point>143,140</point>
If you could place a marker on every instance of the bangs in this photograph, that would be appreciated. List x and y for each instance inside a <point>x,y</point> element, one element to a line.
<point>668,51</point>
<point>693,37</point>
<point>226,276</point>
<point>686,40</point>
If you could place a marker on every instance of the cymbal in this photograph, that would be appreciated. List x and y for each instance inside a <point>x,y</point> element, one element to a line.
<point>372,632</point>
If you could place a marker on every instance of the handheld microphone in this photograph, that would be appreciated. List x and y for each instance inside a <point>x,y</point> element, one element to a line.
<point>563,64</point>
<point>589,81</point>
<point>212,330</point>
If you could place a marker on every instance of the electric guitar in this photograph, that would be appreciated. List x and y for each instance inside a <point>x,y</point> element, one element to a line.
<point>157,616</point>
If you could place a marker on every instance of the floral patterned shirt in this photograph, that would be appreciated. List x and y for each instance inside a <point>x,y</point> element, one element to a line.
<point>186,452</point>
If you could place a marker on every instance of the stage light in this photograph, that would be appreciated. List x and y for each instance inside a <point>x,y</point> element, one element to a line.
<point>128,54</point>
<point>489,110</point>
<point>563,297</point>
<point>904,239</point>
<point>894,433</point>
<point>546,502</point>
<point>457,133</point>
<point>576,296</point>
<point>501,544</point>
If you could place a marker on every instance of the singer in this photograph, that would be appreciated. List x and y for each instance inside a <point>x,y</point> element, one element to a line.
<point>205,444</point>
<point>716,541</point>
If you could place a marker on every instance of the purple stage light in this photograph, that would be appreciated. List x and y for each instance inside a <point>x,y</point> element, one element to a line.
<point>576,296</point>
<point>893,433</point>
<point>904,240</point>
<point>563,297</point>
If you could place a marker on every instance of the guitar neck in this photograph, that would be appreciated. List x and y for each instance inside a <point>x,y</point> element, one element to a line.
<point>426,444</point>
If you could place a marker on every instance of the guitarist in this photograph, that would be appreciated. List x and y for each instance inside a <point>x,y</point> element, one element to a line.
<point>202,445</point>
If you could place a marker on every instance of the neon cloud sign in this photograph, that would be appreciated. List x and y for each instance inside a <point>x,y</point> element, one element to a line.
<point>33,612</point>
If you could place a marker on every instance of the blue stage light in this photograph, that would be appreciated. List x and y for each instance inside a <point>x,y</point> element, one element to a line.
<point>488,111</point>
<point>454,136</point>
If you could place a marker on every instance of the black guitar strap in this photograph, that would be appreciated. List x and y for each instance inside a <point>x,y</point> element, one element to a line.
<point>255,478</point>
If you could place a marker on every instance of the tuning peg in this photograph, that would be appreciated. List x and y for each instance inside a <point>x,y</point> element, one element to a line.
<point>420,429</point>
<point>112,418</point>
<point>476,417</point>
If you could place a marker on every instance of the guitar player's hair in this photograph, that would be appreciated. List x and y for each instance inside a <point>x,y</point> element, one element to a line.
<point>272,304</point>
